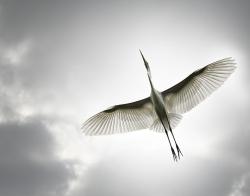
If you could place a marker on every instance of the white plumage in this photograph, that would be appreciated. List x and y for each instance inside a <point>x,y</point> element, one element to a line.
<point>162,110</point>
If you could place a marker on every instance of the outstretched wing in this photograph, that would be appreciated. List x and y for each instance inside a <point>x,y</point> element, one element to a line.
<point>197,86</point>
<point>121,118</point>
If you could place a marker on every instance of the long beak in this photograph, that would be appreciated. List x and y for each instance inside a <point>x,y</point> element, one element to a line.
<point>145,62</point>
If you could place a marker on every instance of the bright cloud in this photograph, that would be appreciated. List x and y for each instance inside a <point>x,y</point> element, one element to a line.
<point>16,55</point>
<point>62,61</point>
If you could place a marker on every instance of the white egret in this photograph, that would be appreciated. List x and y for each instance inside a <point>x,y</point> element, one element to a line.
<point>162,110</point>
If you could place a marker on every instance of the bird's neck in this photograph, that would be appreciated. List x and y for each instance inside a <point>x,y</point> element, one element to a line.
<point>150,81</point>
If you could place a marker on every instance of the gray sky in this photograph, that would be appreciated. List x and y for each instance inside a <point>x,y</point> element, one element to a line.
<point>63,61</point>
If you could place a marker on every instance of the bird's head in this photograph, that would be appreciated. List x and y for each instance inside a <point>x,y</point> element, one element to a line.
<point>146,65</point>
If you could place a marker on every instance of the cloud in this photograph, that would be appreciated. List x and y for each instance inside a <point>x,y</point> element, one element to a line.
<point>61,61</point>
<point>15,55</point>
<point>241,187</point>
<point>29,164</point>
<point>139,170</point>
<point>235,150</point>
<point>29,151</point>
<point>127,176</point>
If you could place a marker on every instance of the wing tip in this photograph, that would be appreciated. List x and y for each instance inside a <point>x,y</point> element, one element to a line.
<point>224,60</point>
<point>227,63</point>
<point>84,131</point>
<point>87,132</point>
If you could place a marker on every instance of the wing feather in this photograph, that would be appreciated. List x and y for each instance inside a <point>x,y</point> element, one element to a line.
<point>197,86</point>
<point>121,118</point>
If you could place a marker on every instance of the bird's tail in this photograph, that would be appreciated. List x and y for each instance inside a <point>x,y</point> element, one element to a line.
<point>174,120</point>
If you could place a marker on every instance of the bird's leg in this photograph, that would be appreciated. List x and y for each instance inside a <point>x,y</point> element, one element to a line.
<point>172,149</point>
<point>178,150</point>
<point>177,147</point>
<point>173,153</point>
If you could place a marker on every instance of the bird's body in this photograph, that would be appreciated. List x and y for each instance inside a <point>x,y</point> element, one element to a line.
<point>158,103</point>
<point>161,111</point>
<point>159,107</point>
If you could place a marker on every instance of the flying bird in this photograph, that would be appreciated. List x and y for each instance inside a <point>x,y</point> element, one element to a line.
<point>162,111</point>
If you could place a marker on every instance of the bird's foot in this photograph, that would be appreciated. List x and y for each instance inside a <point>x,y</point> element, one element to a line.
<point>173,153</point>
<point>179,151</point>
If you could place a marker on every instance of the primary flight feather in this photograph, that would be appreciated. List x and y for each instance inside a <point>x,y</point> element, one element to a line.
<point>161,112</point>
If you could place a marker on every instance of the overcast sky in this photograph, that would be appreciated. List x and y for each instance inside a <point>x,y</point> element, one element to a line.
<point>63,61</point>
